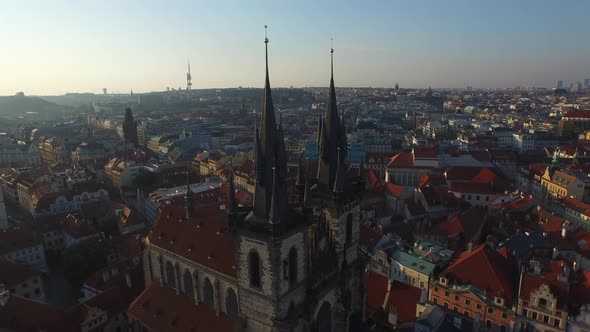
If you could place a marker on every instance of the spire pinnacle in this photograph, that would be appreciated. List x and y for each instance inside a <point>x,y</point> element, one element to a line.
<point>331,60</point>
<point>338,181</point>
<point>274,205</point>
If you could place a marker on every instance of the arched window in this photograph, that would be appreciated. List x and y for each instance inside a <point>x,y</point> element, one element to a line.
<point>349,228</point>
<point>324,318</point>
<point>170,278</point>
<point>292,266</point>
<point>208,292</point>
<point>161,265</point>
<point>189,289</point>
<point>254,269</point>
<point>231,303</point>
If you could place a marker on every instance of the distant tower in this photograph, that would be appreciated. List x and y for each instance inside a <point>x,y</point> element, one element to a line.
<point>104,91</point>
<point>396,87</point>
<point>130,127</point>
<point>189,84</point>
<point>559,84</point>
<point>3,216</point>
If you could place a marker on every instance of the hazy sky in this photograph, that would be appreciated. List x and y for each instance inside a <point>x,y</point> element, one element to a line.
<point>54,47</point>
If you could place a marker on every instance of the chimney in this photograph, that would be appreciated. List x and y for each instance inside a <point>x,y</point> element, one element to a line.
<point>470,246</point>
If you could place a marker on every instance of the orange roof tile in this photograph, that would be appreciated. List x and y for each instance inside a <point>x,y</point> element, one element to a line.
<point>161,309</point>
<point>205,238</point>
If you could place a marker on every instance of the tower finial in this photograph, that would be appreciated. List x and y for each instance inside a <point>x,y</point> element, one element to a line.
<point>266,47</point>
<point>331,59</point>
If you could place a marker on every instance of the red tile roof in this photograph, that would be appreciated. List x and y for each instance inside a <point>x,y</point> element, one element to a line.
<point>394,189</point>
<point>161,309</point>
<point>369,236</point>
<point>401,160</point>
<point>486,269</point>
<point>13,273</point>
<point>577,114</point>
<point>402,298</point>
<point>76,229</point>
<point>205,238</point>
<point>425,152</point>
<point>26,315</point>
<point>18,237</point>
<point>550,278</point>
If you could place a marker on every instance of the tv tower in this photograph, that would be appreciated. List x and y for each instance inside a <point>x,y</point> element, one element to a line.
<point>189,84</point>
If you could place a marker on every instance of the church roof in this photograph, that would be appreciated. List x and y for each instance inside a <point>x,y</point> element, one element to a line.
<point>161,309</point>
<point>204,238</point>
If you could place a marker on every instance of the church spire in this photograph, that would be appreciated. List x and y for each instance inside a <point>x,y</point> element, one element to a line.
<point>274,205</point>
<point>270,155</point>
<point>332,136</point>
<point>338,180</point>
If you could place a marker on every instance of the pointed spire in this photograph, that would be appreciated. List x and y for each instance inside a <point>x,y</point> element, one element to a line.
<point>269,123</point>
<point>338,181</point>
<point>274,205</point>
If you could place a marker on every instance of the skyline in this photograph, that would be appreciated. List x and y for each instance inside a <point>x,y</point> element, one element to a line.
<point>144,46</point>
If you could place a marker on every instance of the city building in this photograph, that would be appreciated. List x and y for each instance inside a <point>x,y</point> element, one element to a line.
<point>256,267</point>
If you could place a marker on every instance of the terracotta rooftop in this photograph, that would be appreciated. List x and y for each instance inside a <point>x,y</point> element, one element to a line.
<point>486,269</point>
<point>205,238</point>
<point>161,309</point>
<point>18,237</point>
<point>13,273</point>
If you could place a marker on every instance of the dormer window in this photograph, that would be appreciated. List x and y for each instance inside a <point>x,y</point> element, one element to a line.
<point>499,301</point>
<point>443,280</point>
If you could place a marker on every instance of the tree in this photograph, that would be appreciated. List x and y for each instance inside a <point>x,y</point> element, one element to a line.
<point>83,259</point>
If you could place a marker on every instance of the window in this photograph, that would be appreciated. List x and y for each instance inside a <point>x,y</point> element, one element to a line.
<point>292,266</point>
<point>490,311</point>
<point>478,306</point>
<point>534,316</point>
<point>467,302</point>
<point>254,269</point>
<point>436,289</point>
<point>546,319</point>
<point>446,294</point>
<point>457,298</point>
<point>466,313</point>
<point>231,303</point>
<point>208,292</point>
<point>542,303</point>
<point>188,283</point>
<point>446,305</point>
<point>170,278</point>
<point>525,312</point>
<point>435,300</point>
<point>556,322</point>
<point>504,316</point>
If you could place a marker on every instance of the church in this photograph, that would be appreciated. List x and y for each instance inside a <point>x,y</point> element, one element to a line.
<point>273,266</point>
